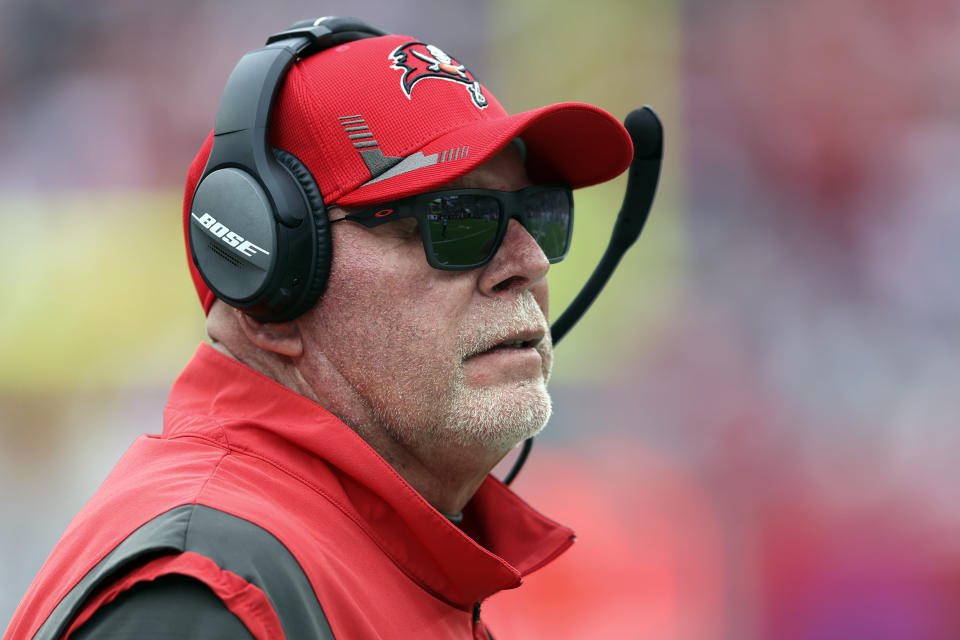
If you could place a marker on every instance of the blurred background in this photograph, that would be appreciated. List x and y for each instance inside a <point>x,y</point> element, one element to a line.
<point>755,432</point>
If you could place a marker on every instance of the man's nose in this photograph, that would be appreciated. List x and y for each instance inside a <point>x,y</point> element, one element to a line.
<point>518,264</point>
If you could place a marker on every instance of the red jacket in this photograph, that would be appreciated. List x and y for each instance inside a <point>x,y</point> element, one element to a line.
<point>281,509</point>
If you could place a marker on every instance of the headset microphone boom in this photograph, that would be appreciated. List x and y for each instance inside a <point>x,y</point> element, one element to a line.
<point>646,131</point>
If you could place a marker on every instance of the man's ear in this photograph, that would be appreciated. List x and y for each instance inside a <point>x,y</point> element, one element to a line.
<point>282,338</point>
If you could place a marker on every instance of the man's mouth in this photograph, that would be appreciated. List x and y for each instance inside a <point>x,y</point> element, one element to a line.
<point>514,344</point>
<point>526,340</point>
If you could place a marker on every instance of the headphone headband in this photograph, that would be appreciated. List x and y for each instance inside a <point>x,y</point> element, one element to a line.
<point>328,32</point>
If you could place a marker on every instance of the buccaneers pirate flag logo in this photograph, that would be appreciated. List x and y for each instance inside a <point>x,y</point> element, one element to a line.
<point>420,61</point>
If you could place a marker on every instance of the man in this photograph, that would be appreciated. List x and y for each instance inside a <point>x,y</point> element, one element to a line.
<point>327,474</point>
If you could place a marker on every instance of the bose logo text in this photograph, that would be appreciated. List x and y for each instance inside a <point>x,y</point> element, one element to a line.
<point>231,238</point>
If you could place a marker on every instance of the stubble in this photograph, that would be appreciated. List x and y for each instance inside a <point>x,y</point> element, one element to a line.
<point>495,417</point>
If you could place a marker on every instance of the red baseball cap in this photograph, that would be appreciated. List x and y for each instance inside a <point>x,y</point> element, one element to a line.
<point>387,117</point>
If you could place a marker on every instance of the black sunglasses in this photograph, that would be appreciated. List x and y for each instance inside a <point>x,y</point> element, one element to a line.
<point>463,228</point>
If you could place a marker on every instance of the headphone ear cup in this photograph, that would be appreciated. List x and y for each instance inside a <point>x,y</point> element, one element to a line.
<point>318,214</point>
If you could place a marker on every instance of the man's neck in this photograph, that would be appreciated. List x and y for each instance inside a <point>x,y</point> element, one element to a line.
<point>446,476</point>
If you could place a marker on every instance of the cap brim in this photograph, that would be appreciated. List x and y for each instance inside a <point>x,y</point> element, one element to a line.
<point>577,144</point>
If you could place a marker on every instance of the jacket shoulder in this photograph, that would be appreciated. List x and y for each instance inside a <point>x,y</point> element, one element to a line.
<point>215,547</point>
<point>172,607</point>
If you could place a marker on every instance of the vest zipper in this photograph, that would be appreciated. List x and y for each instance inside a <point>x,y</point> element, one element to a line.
<point>480,631</point>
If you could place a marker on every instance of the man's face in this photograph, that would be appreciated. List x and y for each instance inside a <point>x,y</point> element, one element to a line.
<point>440,357</point>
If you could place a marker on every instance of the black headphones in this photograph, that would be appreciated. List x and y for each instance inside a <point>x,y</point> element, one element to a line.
<point>258,225</point>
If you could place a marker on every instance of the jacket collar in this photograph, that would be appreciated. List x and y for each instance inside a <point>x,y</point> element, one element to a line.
<point>220,398</point>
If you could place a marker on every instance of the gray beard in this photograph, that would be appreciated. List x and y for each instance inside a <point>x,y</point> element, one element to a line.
<point>496,419</point>
<point>493,419</point>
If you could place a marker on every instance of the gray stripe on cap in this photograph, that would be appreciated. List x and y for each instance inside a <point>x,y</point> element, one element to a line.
<point>411,163</point>
<point>376,162</point>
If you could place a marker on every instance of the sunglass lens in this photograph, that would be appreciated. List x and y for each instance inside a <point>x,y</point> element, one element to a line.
<point>463,228</point>
<point>547,217</point>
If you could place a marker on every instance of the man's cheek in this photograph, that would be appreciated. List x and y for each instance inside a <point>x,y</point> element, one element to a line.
<point>541,293</point>
<point>546,355</point>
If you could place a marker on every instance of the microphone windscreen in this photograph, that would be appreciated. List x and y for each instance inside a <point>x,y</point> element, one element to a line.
<point>645,130</point>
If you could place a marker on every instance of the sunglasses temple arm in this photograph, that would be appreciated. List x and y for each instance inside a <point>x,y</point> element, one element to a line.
<point>646,131</point>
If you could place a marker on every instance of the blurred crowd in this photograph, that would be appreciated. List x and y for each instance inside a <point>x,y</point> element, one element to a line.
<point>774,458</point>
